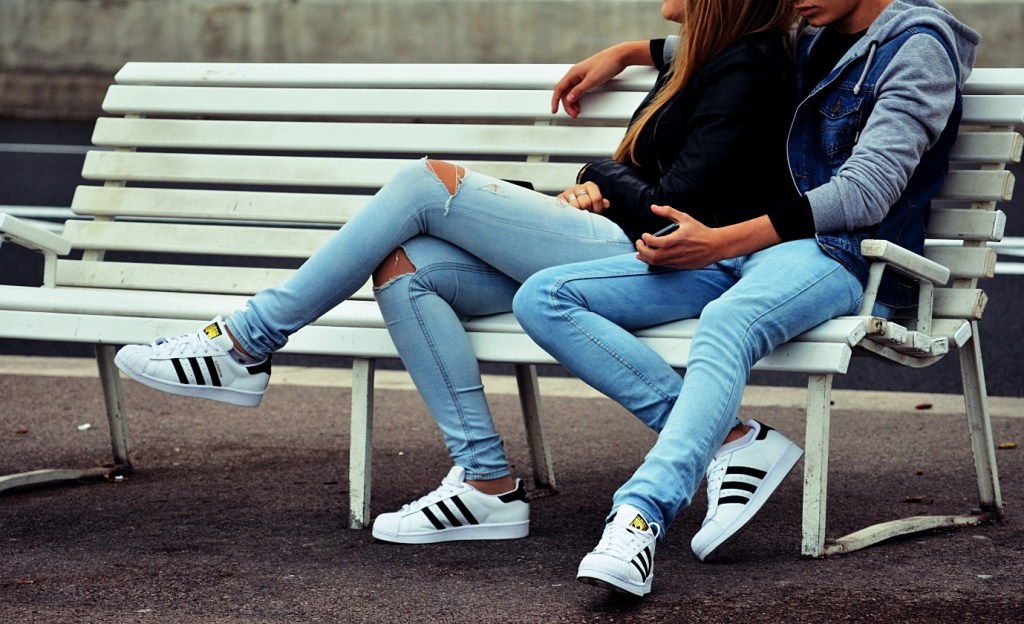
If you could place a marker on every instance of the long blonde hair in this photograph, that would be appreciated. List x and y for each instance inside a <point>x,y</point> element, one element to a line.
<point>707,27</point>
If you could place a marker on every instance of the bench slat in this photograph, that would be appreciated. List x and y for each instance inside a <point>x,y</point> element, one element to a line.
<point>975,225</point>
<point>977,186</point>
<point>987,147</point>
<point>363,103</point>
<point>959,303</point>
<point>369,75</point>
<point>217,205</point>
<point>418,139</point>
<point>375,172</point>
<point>982,80</point>
<point>176,278</point>
<point>969,263</point>
<point>62,316</point>
<point>609,106</point>
<point>195,239</point>
<point>370,173</point>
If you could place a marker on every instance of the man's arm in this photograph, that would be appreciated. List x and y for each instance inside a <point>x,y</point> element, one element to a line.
<point>694,245</point>
<point>916,94</point>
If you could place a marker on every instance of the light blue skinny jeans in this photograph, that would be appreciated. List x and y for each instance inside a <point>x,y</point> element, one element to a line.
<point>582,313</point>
<point>471,250</point>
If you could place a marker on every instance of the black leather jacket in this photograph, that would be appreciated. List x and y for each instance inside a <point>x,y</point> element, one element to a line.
<point>717,150</point>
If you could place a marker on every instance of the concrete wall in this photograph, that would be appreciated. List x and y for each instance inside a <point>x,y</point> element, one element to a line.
<point>57,56</point>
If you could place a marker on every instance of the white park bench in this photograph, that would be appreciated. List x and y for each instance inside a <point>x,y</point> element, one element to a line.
<point>265,160</point>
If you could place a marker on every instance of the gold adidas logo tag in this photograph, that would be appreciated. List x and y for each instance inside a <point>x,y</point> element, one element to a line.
<point>639,523</point>
<point>212,331</point>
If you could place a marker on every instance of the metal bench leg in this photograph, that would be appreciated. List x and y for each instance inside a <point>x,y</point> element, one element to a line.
<point>113,396</point>
<point>536,433</point>
<point>980,426</point>
<point>819,397</point>
<point>361,443</point>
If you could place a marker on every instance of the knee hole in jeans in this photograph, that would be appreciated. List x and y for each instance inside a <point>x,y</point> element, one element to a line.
<point>448,174</point>
<point>395,265</point>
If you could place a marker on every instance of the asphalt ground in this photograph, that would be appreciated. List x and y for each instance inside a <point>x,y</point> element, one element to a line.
<point>239,515</point>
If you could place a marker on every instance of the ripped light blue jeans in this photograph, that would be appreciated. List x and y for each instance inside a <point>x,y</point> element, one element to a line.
<point>471,249</point>
<point>582,313</point>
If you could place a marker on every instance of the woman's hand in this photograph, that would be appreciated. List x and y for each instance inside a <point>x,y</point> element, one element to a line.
<point>586,196</point>
<point>695,245</point>
<point>595,71</point>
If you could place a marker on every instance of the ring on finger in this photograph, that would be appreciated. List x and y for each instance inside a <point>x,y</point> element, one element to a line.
<point>582,192</point>
<point>571,196</point>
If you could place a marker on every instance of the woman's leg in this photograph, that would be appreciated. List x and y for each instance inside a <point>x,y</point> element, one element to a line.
<point>513,229</point>
<point>422,307</point>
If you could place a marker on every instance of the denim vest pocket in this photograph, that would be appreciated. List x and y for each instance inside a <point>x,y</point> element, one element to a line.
<point>841,115</point>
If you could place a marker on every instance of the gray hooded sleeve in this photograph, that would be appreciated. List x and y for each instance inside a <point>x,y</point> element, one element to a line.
<point>915,96</point>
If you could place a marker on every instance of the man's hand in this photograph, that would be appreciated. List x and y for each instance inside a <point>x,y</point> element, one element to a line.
<point>596,71</point>
<point>695,245</point>
<point>586,196</point>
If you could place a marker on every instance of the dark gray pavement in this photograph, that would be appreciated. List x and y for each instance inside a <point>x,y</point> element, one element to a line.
<point>239,515</point>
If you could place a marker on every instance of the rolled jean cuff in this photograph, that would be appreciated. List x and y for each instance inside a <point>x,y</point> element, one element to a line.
<point>242,338</point>
<point>472,475</point>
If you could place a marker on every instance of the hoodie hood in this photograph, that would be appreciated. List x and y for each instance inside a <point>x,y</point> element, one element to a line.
<point>903,14</point>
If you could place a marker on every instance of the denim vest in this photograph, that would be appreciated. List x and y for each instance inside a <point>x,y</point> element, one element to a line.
<point>825,129</point>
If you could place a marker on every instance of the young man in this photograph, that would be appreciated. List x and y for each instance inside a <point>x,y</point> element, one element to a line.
<point>879,84</point>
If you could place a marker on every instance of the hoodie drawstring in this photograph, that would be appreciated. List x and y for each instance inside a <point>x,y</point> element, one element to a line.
<point>867,66</point>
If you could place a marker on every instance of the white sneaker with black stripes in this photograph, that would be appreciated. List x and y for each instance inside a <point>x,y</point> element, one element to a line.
<point>457,511</point>
<point>741,477</point>
<point>196,365</point>
<point>623,560</point>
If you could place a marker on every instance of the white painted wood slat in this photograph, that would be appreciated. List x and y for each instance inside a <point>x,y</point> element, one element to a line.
<point>965,262</point>
<point>195,239</point>
<point>993,110</point>
<point>959,303</point>
<point>418,139</point>
<point>362,103</point>
<point>176,278</point>
<point>977,186</point>
<point>369,75</point>
<point>370,173</point>
<point>217,205</point>
<point>975,225</point>
<point>987,147</point>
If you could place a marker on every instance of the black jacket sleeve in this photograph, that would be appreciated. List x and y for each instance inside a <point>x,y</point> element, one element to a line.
<point>729,99</point>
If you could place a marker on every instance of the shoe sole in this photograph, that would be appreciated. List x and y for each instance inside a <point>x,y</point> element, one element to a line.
<point>223,395</point>
<point>772,480</point>
<point>606,579</point>
<point>473,532</point>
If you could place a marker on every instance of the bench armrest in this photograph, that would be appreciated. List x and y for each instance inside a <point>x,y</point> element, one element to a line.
<point>906,262</point>
<point>32,236</point>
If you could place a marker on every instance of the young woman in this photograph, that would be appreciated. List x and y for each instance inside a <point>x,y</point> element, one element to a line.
<point>442,242</point>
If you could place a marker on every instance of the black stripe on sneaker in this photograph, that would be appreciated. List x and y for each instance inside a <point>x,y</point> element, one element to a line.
<point>643,564</point>
<point>518,494</point>
<point>448,514</point>
<point>643,575</point>
<point>433,519</point>
<point>739,485</point>
<point>198,372</point>
<point>744,470</point>
<point>725,500</point>
<point>212,369</point>
<point>763,433</point>
<point>182,378</point>
<point>262,367</point>
<point>464,510</point>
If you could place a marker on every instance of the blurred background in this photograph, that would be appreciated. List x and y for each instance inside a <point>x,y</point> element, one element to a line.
<point>57,58</point>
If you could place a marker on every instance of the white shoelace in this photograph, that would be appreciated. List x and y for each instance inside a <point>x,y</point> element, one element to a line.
<point>196,343</point>
<point>623,542</point>
<point>716,476</point>
<point>448,486</point>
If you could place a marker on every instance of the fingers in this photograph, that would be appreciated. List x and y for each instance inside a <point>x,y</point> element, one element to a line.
<point>586,196</point>
<point>560,93</point>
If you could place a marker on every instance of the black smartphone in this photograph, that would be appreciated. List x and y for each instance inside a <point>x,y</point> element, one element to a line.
<point>667,230</point>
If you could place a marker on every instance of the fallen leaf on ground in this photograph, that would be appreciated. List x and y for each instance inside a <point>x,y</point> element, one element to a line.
<point>21,431</point>
<point>1008,445</point>
<point>923,406</point>
<point>914,499</point>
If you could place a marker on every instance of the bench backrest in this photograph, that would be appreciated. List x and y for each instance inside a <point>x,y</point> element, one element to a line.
<point>266,160</point>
